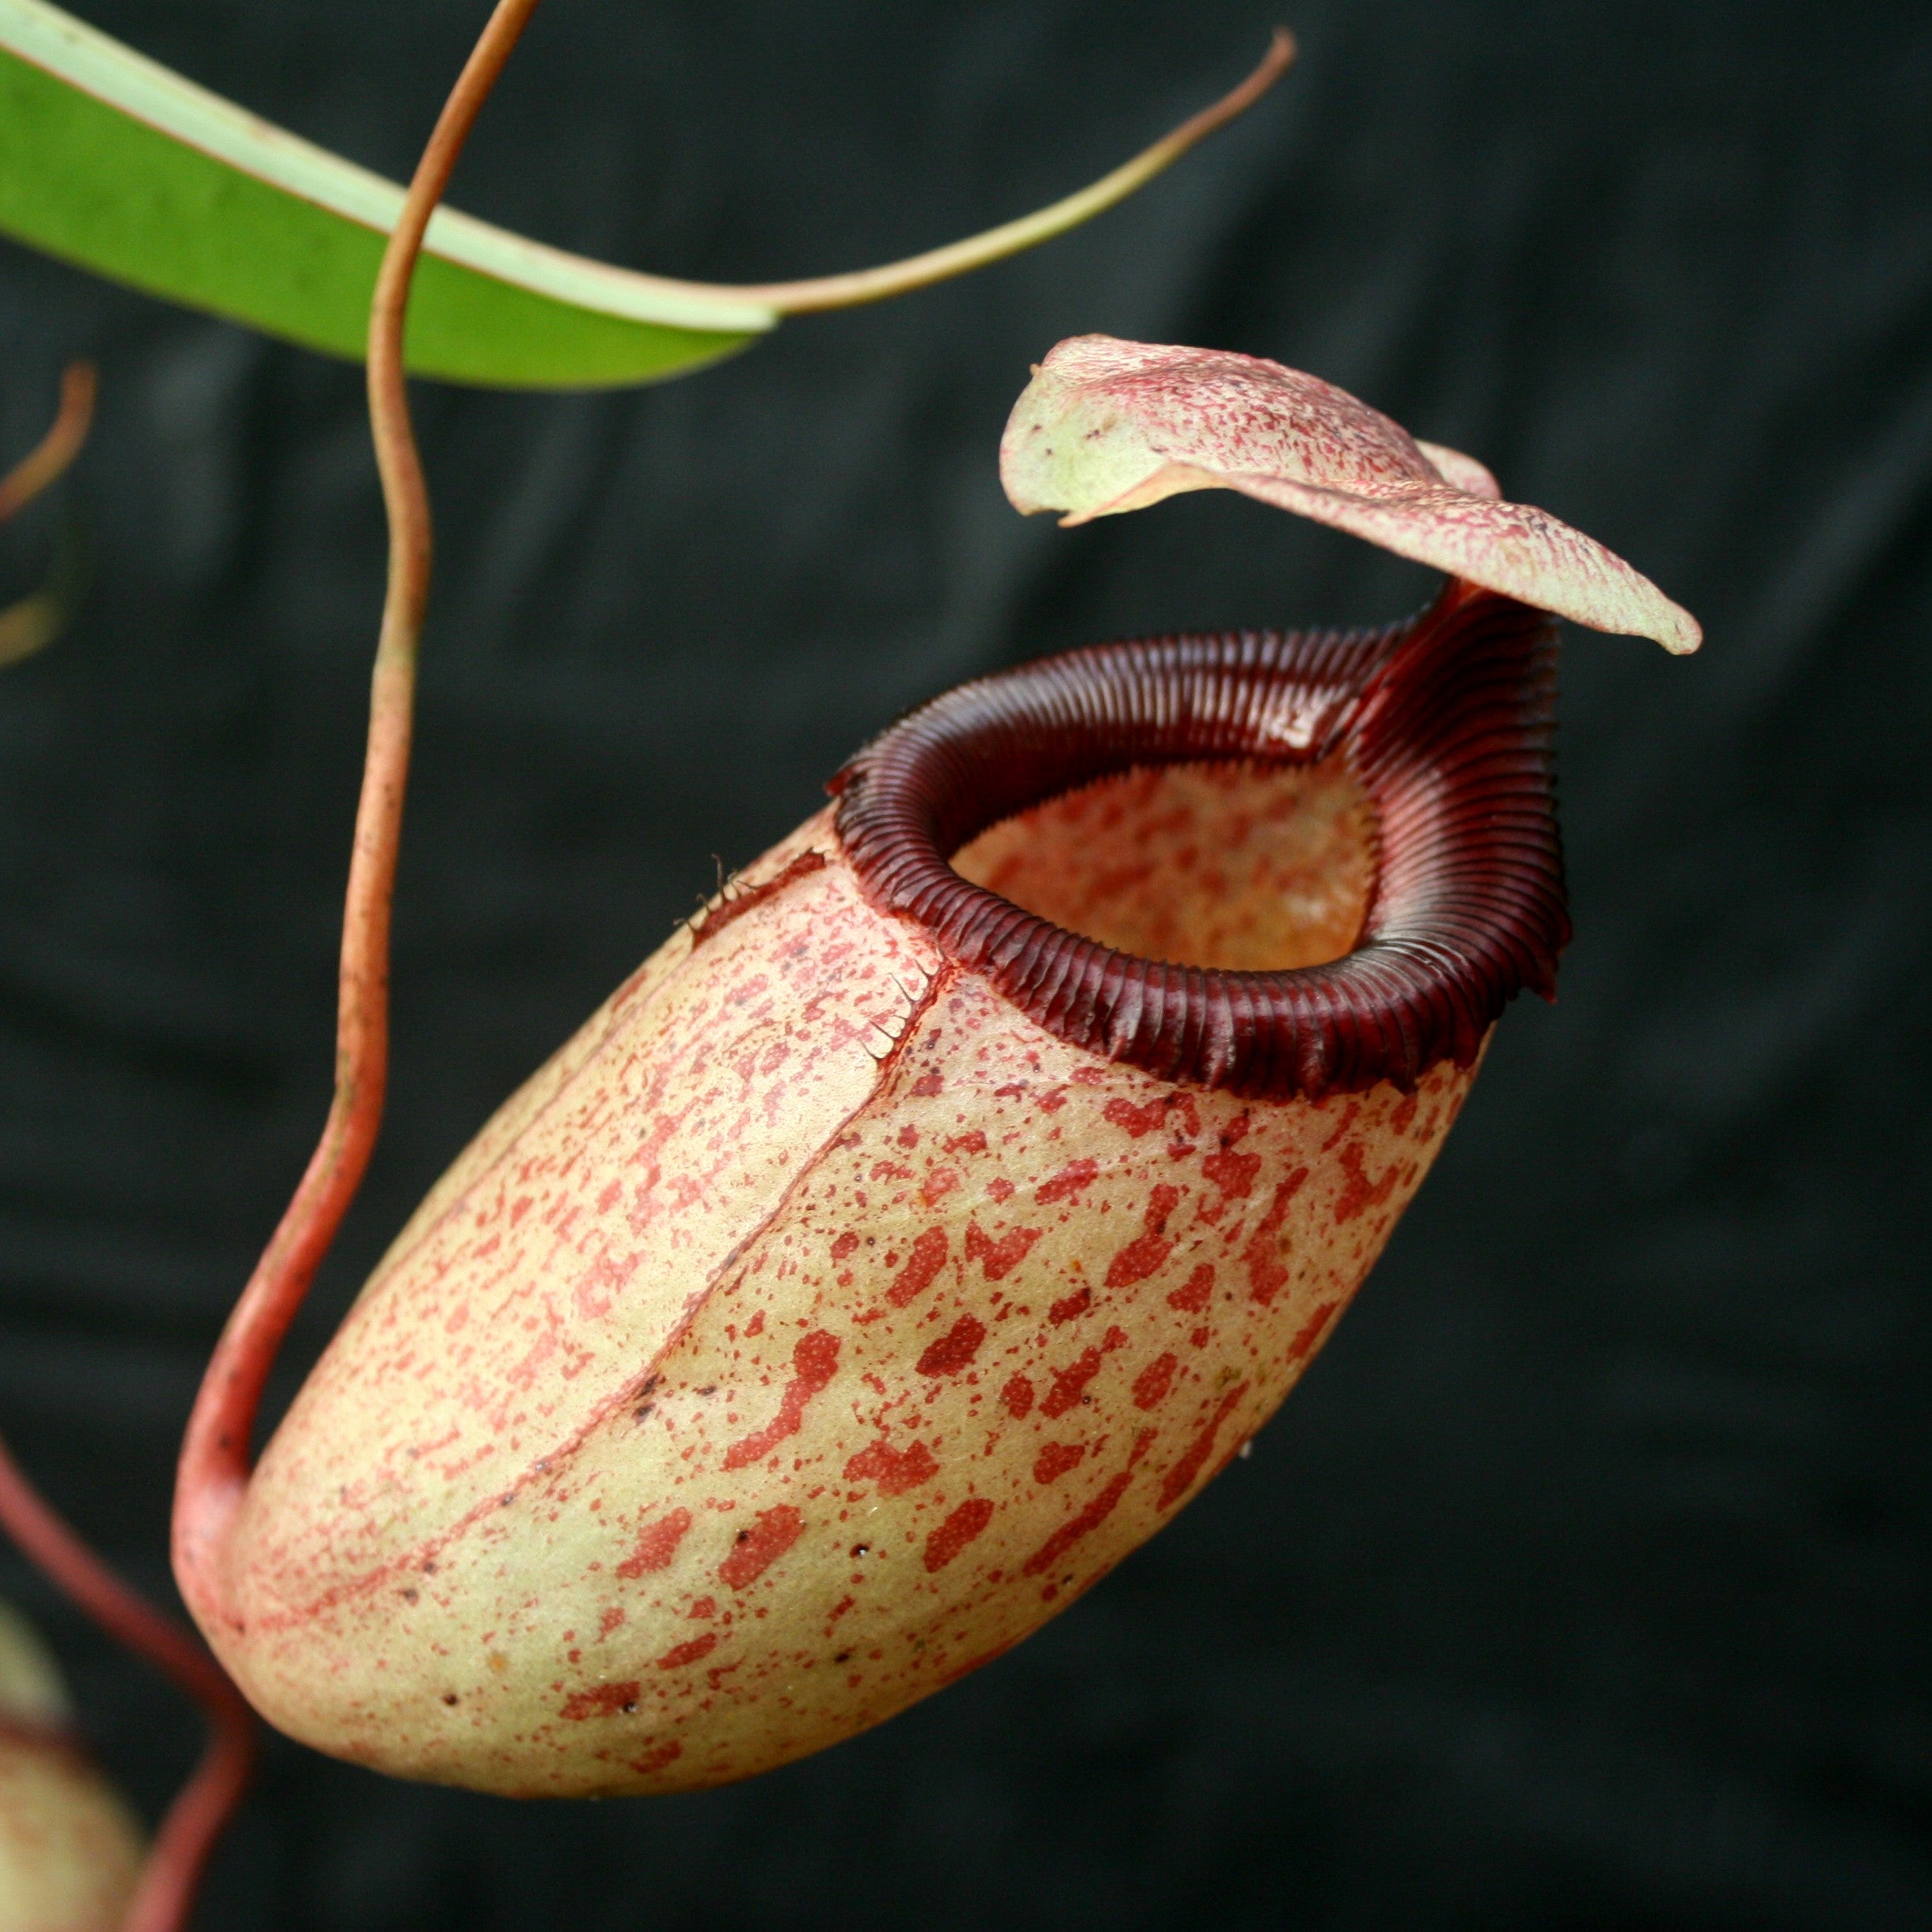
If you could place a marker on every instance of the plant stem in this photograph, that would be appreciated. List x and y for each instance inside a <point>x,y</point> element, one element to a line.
<point>215,1455</point>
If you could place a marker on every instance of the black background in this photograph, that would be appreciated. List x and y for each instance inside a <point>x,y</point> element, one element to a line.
<point>1585,1582</point>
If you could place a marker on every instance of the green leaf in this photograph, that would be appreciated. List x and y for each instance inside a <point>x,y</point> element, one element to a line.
<point>110,160</point>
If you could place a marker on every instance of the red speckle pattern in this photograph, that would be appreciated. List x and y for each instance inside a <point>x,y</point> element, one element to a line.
<point>1143,1255</point>
<point>960,1528</point>
<point>657,1544</point>
<point>895,1470</point>
<point>928,1256</point>
<point>999,1258</point>
<point>1194,1293</point>
<point>814,1359</point>
<point>953,1350</point>
<point>1309,1334</point>
<point>693,1423</point>
<point>1267,1269</point>
<point>1360,1193</point>
<point>1069,1308</point>
<point>601,1700</point>
<point>681,1655</point>
<point>1065,1185</point>
<point>1187,1466</point>
<point>1069,1384</point>
<point>1234,1173</point>
<point>1088,1519</point>
<point>772,1532</point>
<point>1152,1384</point>
<point>1136,1121</point>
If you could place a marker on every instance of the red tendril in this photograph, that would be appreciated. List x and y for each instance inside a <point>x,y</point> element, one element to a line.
<point>215,1459</point>
<point>205,1802</point>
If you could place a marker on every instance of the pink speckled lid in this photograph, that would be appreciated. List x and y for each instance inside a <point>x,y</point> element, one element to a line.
<point>1106,425</point>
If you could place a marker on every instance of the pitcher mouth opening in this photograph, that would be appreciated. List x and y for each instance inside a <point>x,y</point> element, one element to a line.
<point>1450,875</point>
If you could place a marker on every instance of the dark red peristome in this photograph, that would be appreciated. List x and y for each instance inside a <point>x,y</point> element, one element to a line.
<point>1445,719</point>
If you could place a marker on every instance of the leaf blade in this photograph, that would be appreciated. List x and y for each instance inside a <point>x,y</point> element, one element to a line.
<point>110,161</point>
